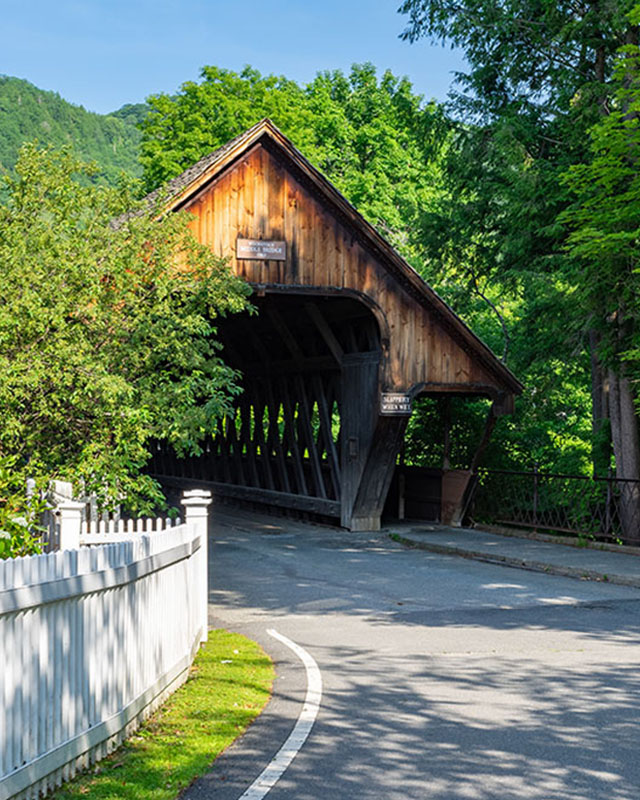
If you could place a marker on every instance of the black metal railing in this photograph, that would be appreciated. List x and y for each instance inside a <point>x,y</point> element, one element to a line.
<point>606,509</point>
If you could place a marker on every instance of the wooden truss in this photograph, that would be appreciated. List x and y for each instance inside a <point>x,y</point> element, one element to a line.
<point>304,433</point>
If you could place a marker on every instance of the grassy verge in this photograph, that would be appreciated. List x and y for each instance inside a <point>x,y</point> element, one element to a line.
<point>229,684</point>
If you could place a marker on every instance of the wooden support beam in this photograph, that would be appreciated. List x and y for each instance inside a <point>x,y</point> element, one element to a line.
<point>225,454</point>
<point>236,449</point>
<point>305,435</point>
<point>328,508</point>
<point>274,438</point>
<point>378,472</point>
<point>489,425</point>
<point>325,331</point>
<point>317,505</point>
<point>285,334</point>
<point>358,411</point>
<point>290,438</point>
<point>259,405</point>
<point>494,412</point>
<point>326,429</point>
<point>247,442</point>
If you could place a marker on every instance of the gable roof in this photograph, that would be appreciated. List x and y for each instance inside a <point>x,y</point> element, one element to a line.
<point>179,191</point>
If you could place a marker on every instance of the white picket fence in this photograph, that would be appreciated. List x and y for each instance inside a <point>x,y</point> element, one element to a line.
<point>92,639</point>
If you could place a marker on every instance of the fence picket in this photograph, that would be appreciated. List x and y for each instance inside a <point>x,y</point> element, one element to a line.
<point>73,662</point>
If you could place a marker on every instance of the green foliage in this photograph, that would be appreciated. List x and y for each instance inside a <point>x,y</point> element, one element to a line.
<point>133,114</point>
<point>372,137</point>
<point>28,113</point>
<point>605,219</point>
<point>203,116</point>
<point>106,331</point>
<point>467,420</point>
<point>539,78</point>
<point>526,55</point>
<point>19,516</point>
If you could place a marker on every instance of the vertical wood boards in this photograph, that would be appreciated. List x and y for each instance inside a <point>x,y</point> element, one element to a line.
<point>259,198</point>
<point>377,473</point>
<point>359,389</point>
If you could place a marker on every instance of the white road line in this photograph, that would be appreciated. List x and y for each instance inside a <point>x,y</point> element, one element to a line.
<point>271,775</point>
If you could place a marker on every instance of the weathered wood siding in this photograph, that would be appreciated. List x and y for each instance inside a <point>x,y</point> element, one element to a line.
<point>259,198</point>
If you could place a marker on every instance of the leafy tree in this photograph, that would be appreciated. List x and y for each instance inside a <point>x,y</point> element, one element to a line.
<point>605,220</point>
<point>605,241</point>
<point>376,140</point>
<point>540,56</point>
<point>201,117</point>
<point>107,333</point>
<point>540,77</point>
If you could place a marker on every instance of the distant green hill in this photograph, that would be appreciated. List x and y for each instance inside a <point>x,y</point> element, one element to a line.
<point>28,113</point>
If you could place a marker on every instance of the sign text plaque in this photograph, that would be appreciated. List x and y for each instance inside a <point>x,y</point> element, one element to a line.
<point>393,403</point>
<point>261,250</point>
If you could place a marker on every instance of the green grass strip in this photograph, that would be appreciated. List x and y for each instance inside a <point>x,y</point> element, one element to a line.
<point>229,684</point>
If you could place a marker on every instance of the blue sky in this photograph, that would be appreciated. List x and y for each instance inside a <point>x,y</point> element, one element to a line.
<point>103,54</point>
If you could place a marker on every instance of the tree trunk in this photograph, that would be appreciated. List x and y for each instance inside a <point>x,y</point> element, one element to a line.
<point>626,449</point>
<point>624,422</point>
<point>600,428</point>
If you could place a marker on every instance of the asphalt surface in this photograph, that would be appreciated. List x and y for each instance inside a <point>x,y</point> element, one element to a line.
<point>444,678</point>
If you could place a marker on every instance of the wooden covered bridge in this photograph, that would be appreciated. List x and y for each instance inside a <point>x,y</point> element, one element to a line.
<point>347,335</point>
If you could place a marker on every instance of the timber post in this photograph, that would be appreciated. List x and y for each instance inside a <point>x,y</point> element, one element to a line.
<point>378,472</point>
<point>358,409</point>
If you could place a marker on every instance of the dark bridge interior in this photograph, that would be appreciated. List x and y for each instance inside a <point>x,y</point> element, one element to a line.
<point>303,358</point>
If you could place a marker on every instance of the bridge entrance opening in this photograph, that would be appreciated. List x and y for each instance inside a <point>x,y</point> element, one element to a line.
<point>302,428</point>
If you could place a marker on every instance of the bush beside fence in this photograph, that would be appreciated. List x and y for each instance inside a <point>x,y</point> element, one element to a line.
<point>92,639</point>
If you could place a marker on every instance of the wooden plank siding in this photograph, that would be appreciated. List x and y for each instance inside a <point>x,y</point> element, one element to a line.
<point>258,198</point>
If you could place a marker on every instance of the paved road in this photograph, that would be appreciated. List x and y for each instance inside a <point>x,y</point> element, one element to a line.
<point>443,678</point>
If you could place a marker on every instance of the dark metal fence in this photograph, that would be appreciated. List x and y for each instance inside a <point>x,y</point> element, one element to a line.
<point>606,509</point>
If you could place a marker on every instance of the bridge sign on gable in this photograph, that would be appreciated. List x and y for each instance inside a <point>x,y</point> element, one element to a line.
<point>261,250</point>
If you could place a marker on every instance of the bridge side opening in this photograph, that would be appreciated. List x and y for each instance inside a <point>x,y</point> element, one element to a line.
<point>300,431</point>
<point>445,440</point>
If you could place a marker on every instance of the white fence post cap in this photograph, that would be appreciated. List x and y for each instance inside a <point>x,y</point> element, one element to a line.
<point>70,506</point>
<point>194,498</point>
<point>71,514</point>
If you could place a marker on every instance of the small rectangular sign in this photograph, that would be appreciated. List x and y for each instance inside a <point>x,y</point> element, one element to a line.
<point>261,250</point>
<point>395,404</point>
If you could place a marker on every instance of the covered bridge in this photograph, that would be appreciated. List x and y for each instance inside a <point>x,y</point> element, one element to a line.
<point>346,336</point>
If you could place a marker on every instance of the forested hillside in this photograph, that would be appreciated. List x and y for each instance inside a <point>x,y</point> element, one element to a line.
<point>28,113</point>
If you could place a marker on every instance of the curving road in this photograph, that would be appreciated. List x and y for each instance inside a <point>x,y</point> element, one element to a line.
<point>443,679</point>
